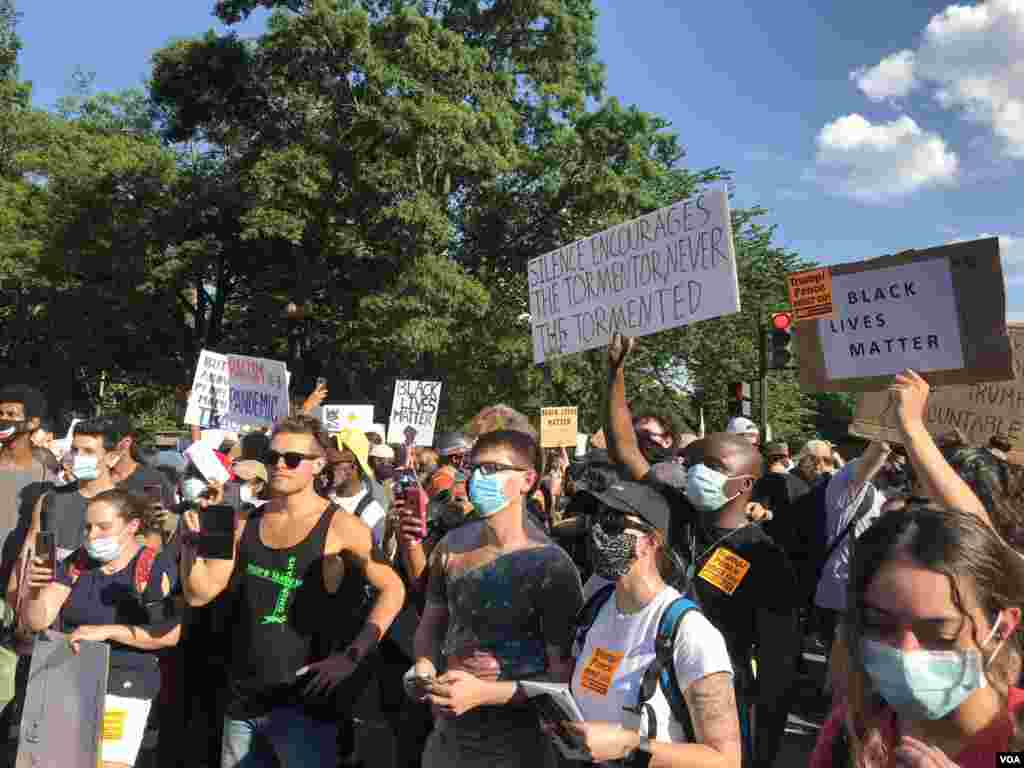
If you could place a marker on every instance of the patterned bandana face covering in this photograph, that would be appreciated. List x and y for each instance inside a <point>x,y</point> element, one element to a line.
<point>613,554</point>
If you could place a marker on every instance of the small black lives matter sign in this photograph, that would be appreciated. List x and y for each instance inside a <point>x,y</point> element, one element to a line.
<point>414,412</point>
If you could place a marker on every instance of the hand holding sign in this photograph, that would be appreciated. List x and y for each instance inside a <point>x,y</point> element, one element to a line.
<point>619,350</point>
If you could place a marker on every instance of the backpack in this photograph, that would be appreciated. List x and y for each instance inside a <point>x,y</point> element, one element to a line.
<point>662,671</point>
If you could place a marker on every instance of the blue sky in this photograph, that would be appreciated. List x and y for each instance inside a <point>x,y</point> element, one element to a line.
<point>865,128</point>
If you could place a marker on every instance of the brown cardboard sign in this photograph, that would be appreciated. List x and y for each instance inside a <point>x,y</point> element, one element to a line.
<point>810,294</point>
<point>980,411</point>
<point>940,311</point>
<point>558,427</point>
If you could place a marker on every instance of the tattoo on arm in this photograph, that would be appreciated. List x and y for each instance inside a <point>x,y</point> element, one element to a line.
<point>712,704</point>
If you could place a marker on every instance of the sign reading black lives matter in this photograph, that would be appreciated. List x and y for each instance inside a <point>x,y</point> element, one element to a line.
<point>667,269</point>
<point>414,412</point>
<point>940,312</point>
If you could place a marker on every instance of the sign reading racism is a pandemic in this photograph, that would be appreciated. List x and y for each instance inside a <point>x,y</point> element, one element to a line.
<point>940,312</point>
<point>667,269</point>
<point>229,391</point>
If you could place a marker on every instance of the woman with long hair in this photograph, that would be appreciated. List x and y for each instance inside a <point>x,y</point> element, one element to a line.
<point>933,611</point>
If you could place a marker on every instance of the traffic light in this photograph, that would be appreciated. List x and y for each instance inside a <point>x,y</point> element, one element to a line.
<point>779,353</point>
<point>740,392</point>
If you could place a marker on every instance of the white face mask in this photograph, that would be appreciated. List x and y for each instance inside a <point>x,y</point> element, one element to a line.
<point>105,550</point>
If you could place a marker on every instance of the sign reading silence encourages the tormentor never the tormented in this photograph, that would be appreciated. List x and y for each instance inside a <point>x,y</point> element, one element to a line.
<point>667,269</point>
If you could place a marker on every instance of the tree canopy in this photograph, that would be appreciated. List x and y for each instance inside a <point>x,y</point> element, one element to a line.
<point>357,191</point>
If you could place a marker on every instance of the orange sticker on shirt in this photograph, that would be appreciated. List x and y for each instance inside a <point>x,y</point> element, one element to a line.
<point>597,675</point>
<point>725,570</point>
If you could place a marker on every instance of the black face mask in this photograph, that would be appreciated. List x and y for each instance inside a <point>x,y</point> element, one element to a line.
<point>655,454</point>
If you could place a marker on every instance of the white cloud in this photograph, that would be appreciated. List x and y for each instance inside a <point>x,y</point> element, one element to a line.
<point>893,77</point>
<point>972,58</point>
<point>875,163</point>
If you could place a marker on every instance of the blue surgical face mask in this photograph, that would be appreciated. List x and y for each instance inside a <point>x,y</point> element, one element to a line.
<point>705,488</point>
<point>486,494</point>
<point>85,468</point>
<point>105,550</point>
<point>925,685</point>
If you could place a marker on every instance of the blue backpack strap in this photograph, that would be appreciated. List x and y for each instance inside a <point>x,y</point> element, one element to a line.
<point>664,663</point>
<point>588,615</point>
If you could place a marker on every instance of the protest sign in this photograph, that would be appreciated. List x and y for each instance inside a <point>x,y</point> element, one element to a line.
<point>202,455</point>
<point>339,417</point>
<point>229,391</point>
<point>558,427</point>
<point>62,720</point>
<point>979,411</point>
<point>940,311</point>
<point>414,412</point>
<point>810,294</point>
<point>667,269</point>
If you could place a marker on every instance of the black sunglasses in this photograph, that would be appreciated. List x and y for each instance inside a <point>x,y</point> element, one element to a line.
<point>292,459</point>
<point>488,468</point>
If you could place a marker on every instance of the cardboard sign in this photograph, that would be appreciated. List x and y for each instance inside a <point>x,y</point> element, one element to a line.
<point>979,411</point>
<point>62,723</point>
<point>941,312</point>
<point>339,417</point>
<point>558,427</point>
<point>725,570</point>
<point>414,412</point>
<point>810,294</point>
<point>667,269</point>
<point>229,391</point>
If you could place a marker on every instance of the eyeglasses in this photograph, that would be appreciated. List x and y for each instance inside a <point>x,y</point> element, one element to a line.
<point>488,468</point>
<point>292,459</point>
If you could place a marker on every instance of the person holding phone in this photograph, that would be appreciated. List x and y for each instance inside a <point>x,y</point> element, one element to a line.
<point>112,590</point>
<point>290,558</point>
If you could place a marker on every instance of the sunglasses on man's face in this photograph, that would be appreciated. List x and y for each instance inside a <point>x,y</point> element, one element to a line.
<point>292,459</point>
<point>488,468</point>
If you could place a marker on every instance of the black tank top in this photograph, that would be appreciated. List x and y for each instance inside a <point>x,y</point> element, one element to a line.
<point>279,621</point>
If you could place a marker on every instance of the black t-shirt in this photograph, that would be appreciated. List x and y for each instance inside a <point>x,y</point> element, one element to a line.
<point>98,598</point>
<point>137,481</point>
<point>736,573</point>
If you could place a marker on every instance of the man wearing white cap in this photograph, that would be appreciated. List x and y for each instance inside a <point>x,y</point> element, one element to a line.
<point>741,425</point>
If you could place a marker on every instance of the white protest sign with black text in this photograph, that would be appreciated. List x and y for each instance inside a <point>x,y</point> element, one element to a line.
<point>414,412</point>
<point>667,269</point>
<point>891,319</point>
<point>229,391</point>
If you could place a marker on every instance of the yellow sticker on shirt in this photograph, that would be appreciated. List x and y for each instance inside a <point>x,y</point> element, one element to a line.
<point>597,675</point>
<point>113,724</point>
<point>725,570</point>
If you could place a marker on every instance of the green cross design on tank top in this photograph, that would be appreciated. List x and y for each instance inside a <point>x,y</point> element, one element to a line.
<point>285,580</point>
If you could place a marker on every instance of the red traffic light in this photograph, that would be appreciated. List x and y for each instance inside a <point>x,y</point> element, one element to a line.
<point>781,321</point>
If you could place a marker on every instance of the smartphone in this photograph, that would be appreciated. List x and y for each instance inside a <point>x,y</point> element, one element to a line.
<point>233,495</point>
<point>154,492</point>
<point>219,518</point>
<point>46,548</point>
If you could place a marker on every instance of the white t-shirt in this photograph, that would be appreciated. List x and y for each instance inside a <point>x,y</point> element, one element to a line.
<point>618,649</point>
<point>373,514</point>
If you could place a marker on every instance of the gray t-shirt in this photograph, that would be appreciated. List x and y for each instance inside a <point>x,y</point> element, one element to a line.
<point>19,492</point>
<point>842,500</point>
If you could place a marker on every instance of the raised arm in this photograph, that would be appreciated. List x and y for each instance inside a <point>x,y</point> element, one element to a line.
<point>622,443</point>
<point>869,465</point>
<point>942,482</point>
<point>203,579</point>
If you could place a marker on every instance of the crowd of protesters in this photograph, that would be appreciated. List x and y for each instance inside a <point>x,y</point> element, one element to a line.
<point>671,582</point>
